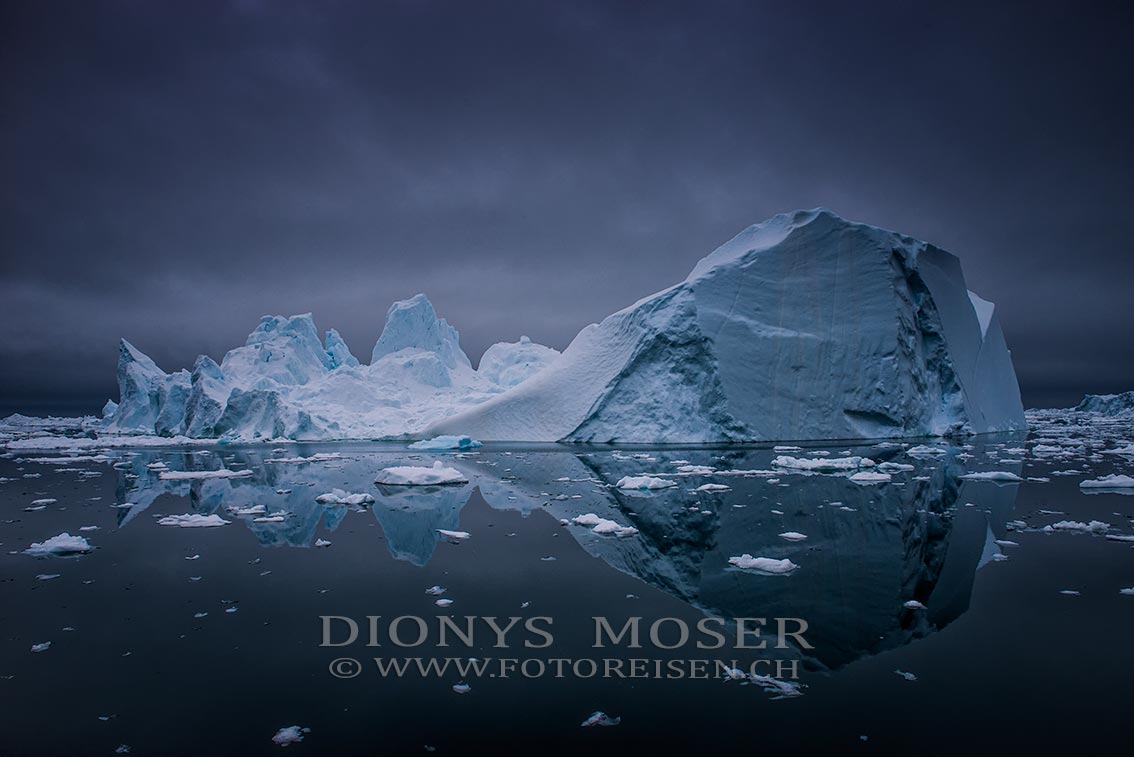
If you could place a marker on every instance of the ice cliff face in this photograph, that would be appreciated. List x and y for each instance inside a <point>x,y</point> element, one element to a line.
<point>806,326</point>
<point>1108,404</point>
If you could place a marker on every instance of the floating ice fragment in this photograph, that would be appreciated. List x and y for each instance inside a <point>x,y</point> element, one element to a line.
<point>290,735</point>
<point>599,717</point>
<point>603,526</point>
<point>824,465</point>
<point>1113,481</point>
<point>870,477</point>
<point>992,475</point>
<point>713,488</point>
<point>193,520</point>
<point>41,647</point>
<point>905,675</point>
<point>447,441</point>
<point>443,602</point>
<point>61,545</point>
<point>913,604</point>
<point>435,591</point>
<point>1094,527</point>
<point>644,482</point>
<point>340,497</point>
<point>322,543</point>
<point>408,475</point>
<point>766,565</point>
<point>454,534</point>
<point>922,450</point>
<point>462,688</point>
<point>192,475</point>
<point>793,536</point>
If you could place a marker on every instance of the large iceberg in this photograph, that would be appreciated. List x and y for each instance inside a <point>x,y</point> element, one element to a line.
<point>807,326</point>
<point>1108,404</point>
<point>285,383</point>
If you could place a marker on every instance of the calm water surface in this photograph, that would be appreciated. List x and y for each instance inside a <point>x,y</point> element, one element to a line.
<point>1004,662</point>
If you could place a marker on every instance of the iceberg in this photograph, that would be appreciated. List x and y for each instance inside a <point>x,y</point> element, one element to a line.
<point>286,383</point>
<point>807,326</point>
<point>804,327</point>
<point>1108,404</point>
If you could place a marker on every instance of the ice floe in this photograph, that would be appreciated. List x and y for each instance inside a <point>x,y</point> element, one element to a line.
<point>409,475</point>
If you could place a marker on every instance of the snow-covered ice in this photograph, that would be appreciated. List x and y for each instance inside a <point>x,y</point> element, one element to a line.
<point>61,545</point>
<point>193,520</point>
<point>290,735</point>
<point>340,497</point>
<point>1113,481</point>
<point>644,482</point>
<point>603,526</point>
<point>598,717</point>
<point>763,564</point>
<point>409,475</point>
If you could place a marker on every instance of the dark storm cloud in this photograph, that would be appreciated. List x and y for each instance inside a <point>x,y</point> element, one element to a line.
<point>172,171</point>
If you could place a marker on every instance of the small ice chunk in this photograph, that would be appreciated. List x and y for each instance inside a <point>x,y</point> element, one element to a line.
<point>713,488</point>
<point>409,475</point>
<point>322,543</point>
<point>41,647</point>
<point>913,604</point>
<point>61,545</point>
<point>992,475</point>
<point>193,520</point>
<point>448,441</point>
<point>870,477</point>
<point>905,675</point>
<point>823,465</point>
<point>767,565</point>
<point>340,497</point>
<point>290,735</point>
<point>435,591</point>
<point>1113,481</point>
<point>193,475</point>
<point>443,602</point>
<point>793,536</point>
<point>644,482</point>
<point>603,526</point>
<point>598,717</point>
<point>454,534</point>
<point>1094,527</point>
<point>462,688</point>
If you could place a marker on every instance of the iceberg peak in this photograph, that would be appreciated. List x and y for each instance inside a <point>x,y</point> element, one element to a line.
<point>413,324</point>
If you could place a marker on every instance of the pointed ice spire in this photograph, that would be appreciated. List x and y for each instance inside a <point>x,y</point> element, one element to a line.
<point>139,385</point>
<point>338,351</point>
<point>413,323</point>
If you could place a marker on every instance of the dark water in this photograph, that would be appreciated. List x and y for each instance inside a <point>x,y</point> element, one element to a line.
<point>1004,662</point>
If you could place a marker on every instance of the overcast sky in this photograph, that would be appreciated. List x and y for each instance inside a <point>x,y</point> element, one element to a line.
<point>171,171</point>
